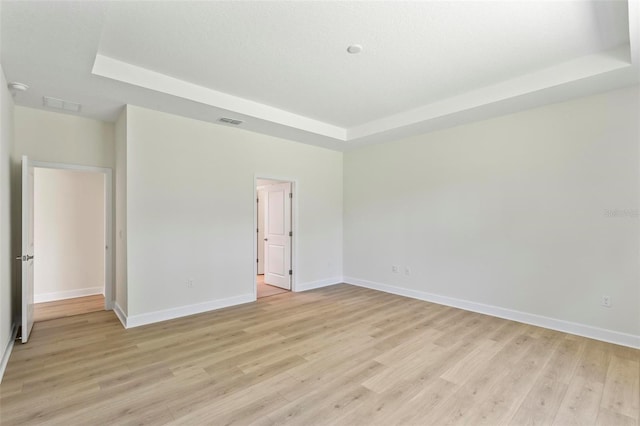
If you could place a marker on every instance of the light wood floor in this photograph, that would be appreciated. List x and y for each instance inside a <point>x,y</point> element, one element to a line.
<point>67,307</point>
<point>266,290</point>
<point>339,355</point>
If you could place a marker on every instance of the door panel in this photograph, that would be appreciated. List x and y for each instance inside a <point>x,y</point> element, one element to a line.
<point>27,248</point>
<point>276,260</point>
<point>277,247</point>
<point>275,221</point>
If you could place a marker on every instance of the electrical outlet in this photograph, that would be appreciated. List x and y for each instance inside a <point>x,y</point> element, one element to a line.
<point>407,271</point>
<point>395,269</point>
<point>190,283</point>
<point>606,301</point>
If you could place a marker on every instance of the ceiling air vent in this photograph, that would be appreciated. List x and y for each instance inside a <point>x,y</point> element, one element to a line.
<point>60,104</point>
<point>230,121</point>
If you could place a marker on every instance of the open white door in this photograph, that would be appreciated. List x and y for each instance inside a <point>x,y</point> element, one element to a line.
<point>27,248</point>
<point>277,246</point>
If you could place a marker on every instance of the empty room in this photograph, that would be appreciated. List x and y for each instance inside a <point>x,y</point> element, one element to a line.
<point>320,212</point>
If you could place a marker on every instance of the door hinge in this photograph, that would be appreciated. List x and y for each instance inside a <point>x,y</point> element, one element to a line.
<point>290,271</point>
<point>257,200</point>
<point>257,260</point>
<point>290,234</point>
<point>257,230</point>
<point>290,195</point>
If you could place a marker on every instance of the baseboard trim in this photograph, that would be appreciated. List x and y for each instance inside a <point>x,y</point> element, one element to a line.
<point>583,330</point>
<point>318,284</point>
<point>183,311</point>
<point>7,351</point>
<point>68,294</point>
<point>120,314</point>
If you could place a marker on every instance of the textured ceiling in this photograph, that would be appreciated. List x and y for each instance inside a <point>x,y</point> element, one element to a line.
<point>292,55</point>
<point>282,67</point>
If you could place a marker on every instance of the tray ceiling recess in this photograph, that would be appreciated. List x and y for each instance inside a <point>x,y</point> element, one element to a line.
<point>333,74</point>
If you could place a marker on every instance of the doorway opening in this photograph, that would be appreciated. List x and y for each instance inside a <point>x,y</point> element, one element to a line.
<point>69,243</point>
<point>66,227</point>
<point>274,237</point>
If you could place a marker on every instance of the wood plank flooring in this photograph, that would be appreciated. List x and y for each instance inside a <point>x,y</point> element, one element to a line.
<point>266,290</point>
<point>67,307</point>
<point>339,355</point>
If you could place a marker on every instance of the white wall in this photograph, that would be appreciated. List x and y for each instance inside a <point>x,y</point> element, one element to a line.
<point>121,212</point>
<point>6,259</point>
<point>69,238</point>
<point>510,212</point>
<point>57,138</point>
<point>513,213</point>
<point>63,138</point>
<point>191,210</point>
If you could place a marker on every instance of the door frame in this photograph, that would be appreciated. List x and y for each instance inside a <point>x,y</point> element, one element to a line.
<point>294,228</point>
<point>260,231</point>
<point>108,218</point>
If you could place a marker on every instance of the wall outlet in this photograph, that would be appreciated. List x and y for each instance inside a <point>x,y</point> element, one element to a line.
<point>407,271</point>
<point>395,269</point>
<point>190,283</point>
<point>606,301</point>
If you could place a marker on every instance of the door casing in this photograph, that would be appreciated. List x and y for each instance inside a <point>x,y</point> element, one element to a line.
<point>294,228</point>
<point>109,294</point>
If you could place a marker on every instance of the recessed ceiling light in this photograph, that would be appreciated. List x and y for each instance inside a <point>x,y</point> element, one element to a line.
<point>354,48</point>
<point>60,104</point>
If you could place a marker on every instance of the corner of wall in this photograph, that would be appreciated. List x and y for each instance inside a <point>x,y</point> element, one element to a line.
<point>120,314</point>
<point>120,135</point>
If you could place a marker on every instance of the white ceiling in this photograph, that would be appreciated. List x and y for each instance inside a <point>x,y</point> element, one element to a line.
<point>282,67</point>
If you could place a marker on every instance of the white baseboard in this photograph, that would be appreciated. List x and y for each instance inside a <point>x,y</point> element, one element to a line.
<point>317,284</point>
<point>8,349</point>
<point>605,335</point>
<point>68,294</point>
<point>120,314</point>
<point>183,311</point>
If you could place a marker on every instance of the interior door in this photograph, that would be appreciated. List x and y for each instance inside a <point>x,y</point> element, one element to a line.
<point>277,241</point>
<point>27,248</point>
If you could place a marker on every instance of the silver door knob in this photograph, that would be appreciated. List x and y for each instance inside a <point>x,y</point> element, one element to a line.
<point>266,239</point>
